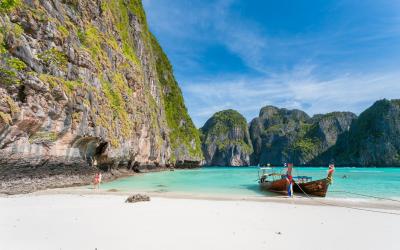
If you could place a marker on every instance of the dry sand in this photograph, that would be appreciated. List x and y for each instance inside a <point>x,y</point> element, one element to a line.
<point>73,221</point>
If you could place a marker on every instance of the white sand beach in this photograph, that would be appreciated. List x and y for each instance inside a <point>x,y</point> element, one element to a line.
<point>72,221</point>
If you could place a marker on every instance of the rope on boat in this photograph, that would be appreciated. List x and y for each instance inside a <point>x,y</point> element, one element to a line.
<point>371,196</point>
<point>354,208</point>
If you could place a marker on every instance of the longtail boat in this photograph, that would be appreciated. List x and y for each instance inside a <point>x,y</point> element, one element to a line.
<point>270,180</point>
<point>305,185</point>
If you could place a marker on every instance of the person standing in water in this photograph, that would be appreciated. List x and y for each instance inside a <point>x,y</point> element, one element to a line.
<point>97,180</point>
<point>98,185</point>
<point>331,170</point>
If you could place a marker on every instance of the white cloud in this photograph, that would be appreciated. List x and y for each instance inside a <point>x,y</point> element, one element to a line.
<point>206,22</point>
<point>300,88</point>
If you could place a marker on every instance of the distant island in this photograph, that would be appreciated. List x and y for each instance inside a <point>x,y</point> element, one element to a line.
<point>281,135</point>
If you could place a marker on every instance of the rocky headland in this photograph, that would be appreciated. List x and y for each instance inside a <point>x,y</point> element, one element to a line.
<point>282,135</point>
<point>84,86</point>
<point>372,140</point>
<point>226,140</point>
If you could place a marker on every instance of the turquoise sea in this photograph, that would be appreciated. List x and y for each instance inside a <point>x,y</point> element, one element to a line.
<point>242,181</point>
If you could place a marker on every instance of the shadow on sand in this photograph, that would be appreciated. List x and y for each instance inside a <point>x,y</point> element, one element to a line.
<point>256,189</point>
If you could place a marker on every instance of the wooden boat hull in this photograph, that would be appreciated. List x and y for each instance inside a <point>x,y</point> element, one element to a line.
<point>278,186</point>
<point>315,188</point>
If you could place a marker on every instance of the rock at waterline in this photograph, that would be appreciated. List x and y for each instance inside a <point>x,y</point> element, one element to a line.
<point>137,198</point>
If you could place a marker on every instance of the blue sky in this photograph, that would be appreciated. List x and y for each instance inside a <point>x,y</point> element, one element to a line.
<point>318,56</point>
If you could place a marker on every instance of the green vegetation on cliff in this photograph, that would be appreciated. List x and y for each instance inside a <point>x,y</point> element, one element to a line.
<point>225,139</point>
<point>282,135</point>
<point>223,121</point>
<point>120,13</point>
<point>7,5</point>
<point>373,138</point>
<point>183,131</point>
<point>369,123</point>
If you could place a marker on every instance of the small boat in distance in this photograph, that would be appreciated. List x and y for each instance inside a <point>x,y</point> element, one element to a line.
<point>271,180</point>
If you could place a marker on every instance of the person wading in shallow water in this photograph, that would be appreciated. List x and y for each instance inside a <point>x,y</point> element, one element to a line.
<point>331,170</point>
<point>97,180</point>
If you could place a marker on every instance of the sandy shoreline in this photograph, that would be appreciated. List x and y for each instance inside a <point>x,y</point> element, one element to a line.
<point>83,221</point>
<point>298,199</point>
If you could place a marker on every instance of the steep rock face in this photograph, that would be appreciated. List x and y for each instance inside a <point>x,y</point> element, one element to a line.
<point>281,135</point>
<point>84,83</point>
<point>184,136</point>
<point>322,136</point>
<point>328,127</point>
<point>373,139</point>
<point>226,140</point>
<point>274,131</point>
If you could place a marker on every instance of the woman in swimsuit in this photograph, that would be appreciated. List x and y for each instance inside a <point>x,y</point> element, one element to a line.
<point>96,181</point>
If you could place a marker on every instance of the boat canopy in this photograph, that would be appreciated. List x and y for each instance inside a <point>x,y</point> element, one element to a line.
<point>302,177</point>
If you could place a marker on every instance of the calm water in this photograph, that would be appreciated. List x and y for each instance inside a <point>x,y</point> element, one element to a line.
<point>383,182</point>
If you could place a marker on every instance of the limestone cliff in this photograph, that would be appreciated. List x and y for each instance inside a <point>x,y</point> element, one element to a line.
<point>281,135</point>
<point>322,136</point>
<point>273,133</point>
<point>84,83</point>
<point>226,140</point>
<point>373,139</point>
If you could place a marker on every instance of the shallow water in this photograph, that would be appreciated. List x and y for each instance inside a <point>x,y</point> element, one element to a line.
<point>382,182</point>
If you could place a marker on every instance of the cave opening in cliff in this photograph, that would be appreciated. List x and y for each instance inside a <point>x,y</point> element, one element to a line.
<point>21,94</point>
<point>101,157</point>
<point>101,149</point>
